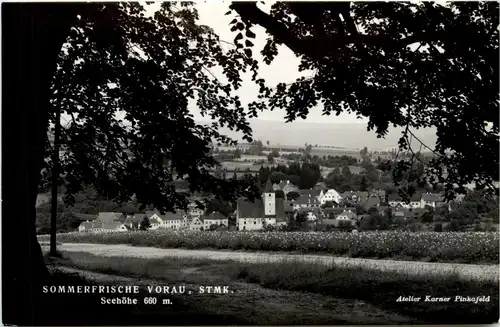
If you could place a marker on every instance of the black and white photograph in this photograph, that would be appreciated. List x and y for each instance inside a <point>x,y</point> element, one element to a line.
<point>250,163</point>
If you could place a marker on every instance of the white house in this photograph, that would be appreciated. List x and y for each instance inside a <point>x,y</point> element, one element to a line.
<point>215,218</point>
<point>311,215</point>
<point>430,199</point>
<point>169,220</point>
<point>195,212</point>
<point>196,224</point>
<point>331,195</point>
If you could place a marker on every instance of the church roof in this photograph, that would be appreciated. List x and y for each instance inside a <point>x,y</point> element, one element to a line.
<point>269,187</point>
<point>247,209</point>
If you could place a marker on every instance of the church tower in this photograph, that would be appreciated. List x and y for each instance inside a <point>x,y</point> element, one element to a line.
<point>269,198</point>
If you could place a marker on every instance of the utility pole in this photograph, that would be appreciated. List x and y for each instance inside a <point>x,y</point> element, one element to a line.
<point>55,180</point>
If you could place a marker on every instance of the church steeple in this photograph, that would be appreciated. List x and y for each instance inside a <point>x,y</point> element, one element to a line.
<point>269,186</point>
<point>269,199</point>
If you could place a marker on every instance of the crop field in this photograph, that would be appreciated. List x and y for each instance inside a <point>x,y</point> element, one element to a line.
<point>460,247</point>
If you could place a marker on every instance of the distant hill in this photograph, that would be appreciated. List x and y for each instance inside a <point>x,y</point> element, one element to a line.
<point>347,135</point>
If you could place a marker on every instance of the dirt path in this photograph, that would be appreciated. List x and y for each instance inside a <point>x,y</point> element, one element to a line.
<point>468,271</point>
<point>264,306</point>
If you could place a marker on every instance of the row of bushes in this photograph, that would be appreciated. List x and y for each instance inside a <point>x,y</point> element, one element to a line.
<point>466,247</point>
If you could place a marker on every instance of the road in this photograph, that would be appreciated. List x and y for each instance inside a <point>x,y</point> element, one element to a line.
<point>466,271</point>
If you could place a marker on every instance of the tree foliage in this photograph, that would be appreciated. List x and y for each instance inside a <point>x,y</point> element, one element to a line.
<point>412,65</point>
<point>125,79</point>
<point>145,224</point>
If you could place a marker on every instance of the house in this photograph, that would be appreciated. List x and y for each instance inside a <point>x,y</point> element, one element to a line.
<point>106,224</point>
<point>396,201</point>
<point>331,213</point>
<point>311,214</point>
<point>215,218</point>
<point>265,211</point>
<point>289,187</point>
<point>430,199</point>
<point>110,216</point>
<point>134,221</point>
<point>347,215</point>
<point>114,226</point>
<point>349,196</point>
<point>84,217</point>
<point>171,220</point>
<point>310,192</point>
<point>356,170</point>
<point>331,196</point>
<point>306,201</point>
<point>195,212</point>
<point>88,226</point>
<point>362,197</point>
<point>174,220</point>
<point>382,195</point>
<point>320,186</point>
<point>372,201</point>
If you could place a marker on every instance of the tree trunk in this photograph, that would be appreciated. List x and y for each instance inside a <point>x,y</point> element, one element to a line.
<point>32,37</point>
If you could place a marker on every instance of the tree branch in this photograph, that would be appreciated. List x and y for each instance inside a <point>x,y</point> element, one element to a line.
<point>317,47</point>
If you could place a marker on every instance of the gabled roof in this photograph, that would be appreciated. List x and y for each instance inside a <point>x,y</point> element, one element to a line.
<point>90,225</point>
<point>215,215</point>
<point>307,199</point>
<point>397,198</point>
<point>321,186</point>
<point>85,216</point>
<point>111,225</point>
<point>394,197</point>
<point>106,217</point>
<point>349,214</point>
<point>247,209</point>
<point>152,212</point>
<point>372,201</point>
<point>433,197</point>
<point>133,219</point>
<point>269,187</point>
<point>348,194</point>
<point>282,184</point>
<point>290,187</point>
<point>311,192</point>
<point>178,215</point>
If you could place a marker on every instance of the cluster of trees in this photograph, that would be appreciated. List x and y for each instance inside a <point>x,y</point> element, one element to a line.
<point>344,180</point>
<point>101,54</point>
<point>227,155</point>
<point>66,221</point>
<point>304,175</point>
<point>273,154</point>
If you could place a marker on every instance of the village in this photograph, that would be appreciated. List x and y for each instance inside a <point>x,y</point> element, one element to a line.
<point>318,206</point>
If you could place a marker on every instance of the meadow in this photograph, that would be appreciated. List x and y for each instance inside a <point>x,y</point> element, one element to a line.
<point>293,283</point>
<point>459,247</point>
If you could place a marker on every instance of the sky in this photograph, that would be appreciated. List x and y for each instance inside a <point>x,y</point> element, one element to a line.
<point>283,69</point>
<point>346,129</point>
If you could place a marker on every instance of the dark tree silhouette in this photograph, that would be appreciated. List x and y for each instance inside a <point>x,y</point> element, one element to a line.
<point>90,61</point>
<point>145,224</point>
<point>371,58</point>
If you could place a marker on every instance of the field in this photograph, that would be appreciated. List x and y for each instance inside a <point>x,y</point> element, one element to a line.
<point>469,247</point>
<point>294,292</point>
